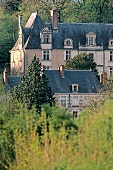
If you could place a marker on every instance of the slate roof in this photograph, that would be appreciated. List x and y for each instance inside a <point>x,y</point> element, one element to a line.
<point>13,81</point>
<point>86,80</point>
<point>76,31</point>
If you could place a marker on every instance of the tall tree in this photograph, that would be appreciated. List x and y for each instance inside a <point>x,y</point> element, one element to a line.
<point>11,6</point>
<point>33,88</point>
<point>81,62</point>
<point>8,35</point>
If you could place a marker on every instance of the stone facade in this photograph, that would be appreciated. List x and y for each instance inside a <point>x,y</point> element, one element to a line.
<point>54,43</point>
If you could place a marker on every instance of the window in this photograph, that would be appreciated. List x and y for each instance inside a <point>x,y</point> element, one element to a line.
<point>89,41</point>
<point>75,101</point>
<point>13,64</point>
<point>75,87</point>
<point>46,38</point>
<point>111,71</point>
<point>111,43</point>
<point>111,55</point>
<point>68,55</point>
<point>46,55</point>
<point>91,38</point>
<point>63,101</point>
<point>68,42</point>
<point>75,114</point>
<point>47,67</point>
<point>91,55</point>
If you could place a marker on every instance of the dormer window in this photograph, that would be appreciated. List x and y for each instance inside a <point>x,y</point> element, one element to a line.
<point>68,43</point>
<point>90,39</point>
<point>74,87</point>
<point>111,42</point>
<point>46,38</point>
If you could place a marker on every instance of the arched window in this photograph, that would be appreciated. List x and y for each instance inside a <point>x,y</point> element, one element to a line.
<point>68,42</point>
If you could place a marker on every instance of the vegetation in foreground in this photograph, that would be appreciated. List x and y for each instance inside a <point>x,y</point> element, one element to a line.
<point>53,140</point>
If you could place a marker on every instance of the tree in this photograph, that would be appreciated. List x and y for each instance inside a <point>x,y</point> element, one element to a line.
<point>11,6</point>
<point>33,88</point>
<point>81,62</point>
<point>8,36</point>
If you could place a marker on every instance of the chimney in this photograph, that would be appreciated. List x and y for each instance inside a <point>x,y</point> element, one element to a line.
<point>5,76</point>
<point>61,69</point>
<point>54,20</point>
<point>103,77</point>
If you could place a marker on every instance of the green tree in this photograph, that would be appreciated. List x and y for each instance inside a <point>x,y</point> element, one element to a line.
<point>8,35</point>
<point>81,62</point>
<point>33,88</point>
<point>11,6</point>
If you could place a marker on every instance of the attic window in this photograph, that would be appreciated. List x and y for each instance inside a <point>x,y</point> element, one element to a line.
<point>111,42</point>
<point>68,42</point>
<point>46,38</point>
<point>74,87</point>
<point>91,38</point>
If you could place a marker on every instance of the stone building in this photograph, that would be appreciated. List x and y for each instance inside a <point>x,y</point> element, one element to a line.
<point>54,43</point>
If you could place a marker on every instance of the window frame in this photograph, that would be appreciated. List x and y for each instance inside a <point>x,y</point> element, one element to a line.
<point>67,55</point>
<point>46,55</point>
<point>75,114</point>
<point>46,38</point>
<point>63,101</point>
<point>91,39</point>
<point>111,56</point>
<point>111,71</point>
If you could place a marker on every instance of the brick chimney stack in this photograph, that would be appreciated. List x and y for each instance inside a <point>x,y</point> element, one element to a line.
<point>54,20</point>
<point>103,77</point>
<point>61,69</point>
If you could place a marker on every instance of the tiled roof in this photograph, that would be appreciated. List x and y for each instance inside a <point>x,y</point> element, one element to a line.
<point>86,80</point>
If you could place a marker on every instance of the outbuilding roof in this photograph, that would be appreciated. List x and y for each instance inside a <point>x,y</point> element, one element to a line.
<point>86,80</point>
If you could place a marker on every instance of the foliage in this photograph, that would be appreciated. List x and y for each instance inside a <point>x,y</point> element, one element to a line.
<point>8,31</point>
<point>11,6</point>
<point>81,62</point>
<point>61,143</point>
<point>33,88</point>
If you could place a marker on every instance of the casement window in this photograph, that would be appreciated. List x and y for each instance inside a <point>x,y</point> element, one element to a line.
<point>91,55</point>
<point>111,71</point>
<point>68,55</point>
<point>63,101</point>
<point>46,38</point>
<point>75,101</point>
<point>111,55</point>
<point>74,87</point>
<point>46,55</point>
<point>90,39</point>
<point>75,114</point>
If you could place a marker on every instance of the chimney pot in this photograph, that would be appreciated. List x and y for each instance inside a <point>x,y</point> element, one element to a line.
<point>61,69</point>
